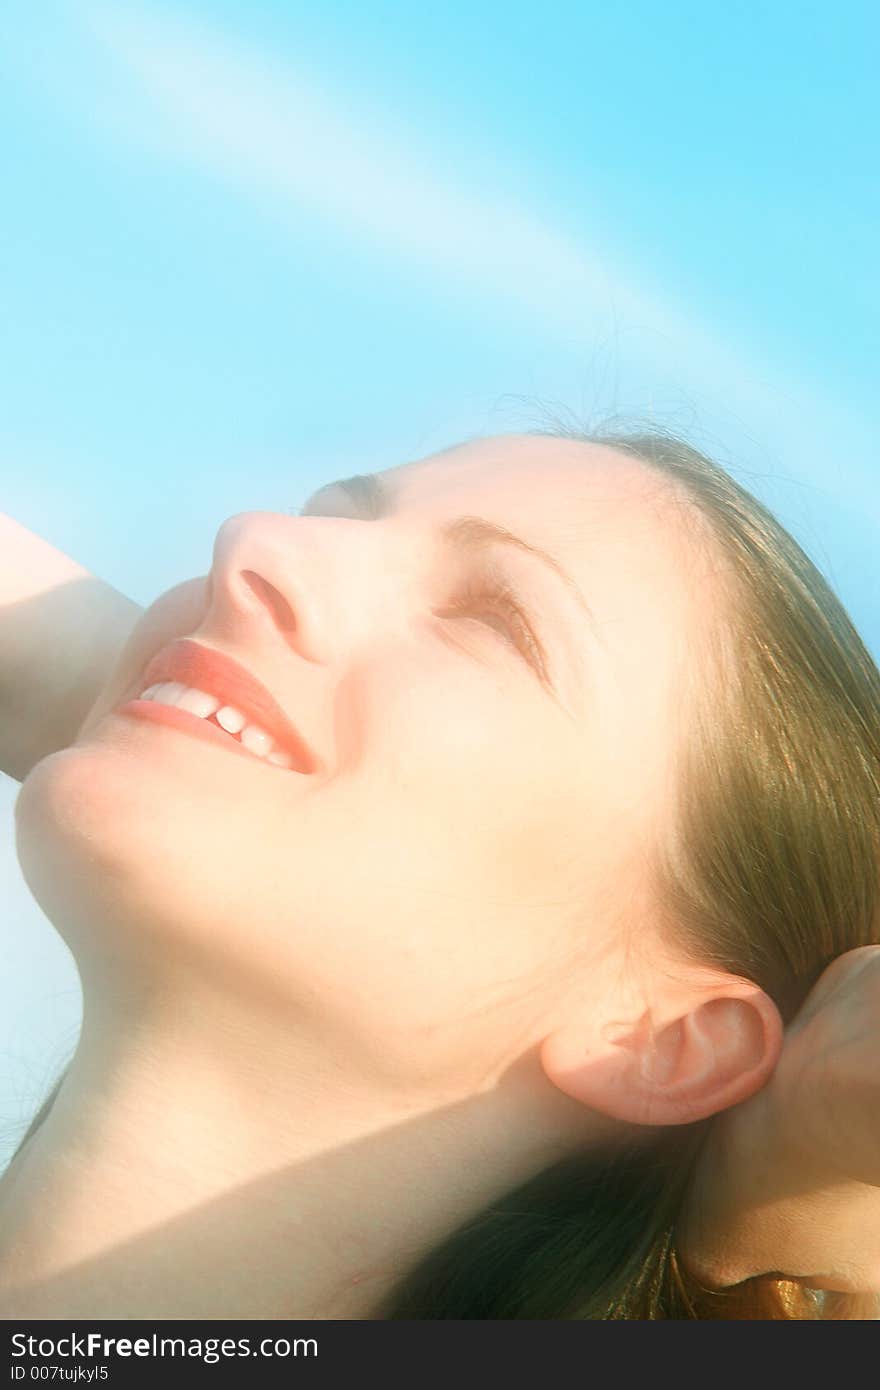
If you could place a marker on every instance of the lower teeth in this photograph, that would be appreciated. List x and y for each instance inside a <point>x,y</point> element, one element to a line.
<point>212,719</point>
<point>276,757</point>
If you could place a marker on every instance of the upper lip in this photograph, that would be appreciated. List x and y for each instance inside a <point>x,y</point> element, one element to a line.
<point>217,674</point>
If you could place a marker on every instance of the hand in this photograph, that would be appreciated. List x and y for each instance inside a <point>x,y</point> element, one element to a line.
<point>789,1182</point>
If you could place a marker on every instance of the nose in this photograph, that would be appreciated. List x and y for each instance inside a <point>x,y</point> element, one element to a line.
<point>323,583</point>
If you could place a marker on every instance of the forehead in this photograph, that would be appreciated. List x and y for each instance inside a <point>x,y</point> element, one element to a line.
<point>549,478</point>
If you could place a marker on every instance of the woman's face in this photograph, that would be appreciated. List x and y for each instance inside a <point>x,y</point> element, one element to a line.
<point>415,903</point>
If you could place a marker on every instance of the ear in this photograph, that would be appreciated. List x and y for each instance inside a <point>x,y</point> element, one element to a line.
<point>678,1069</point>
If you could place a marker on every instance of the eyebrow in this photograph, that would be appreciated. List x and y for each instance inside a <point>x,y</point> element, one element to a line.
<point>473,534</point>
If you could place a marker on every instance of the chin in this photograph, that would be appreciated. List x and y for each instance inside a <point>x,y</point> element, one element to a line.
<point>100,843</point>
<point>139,869</point>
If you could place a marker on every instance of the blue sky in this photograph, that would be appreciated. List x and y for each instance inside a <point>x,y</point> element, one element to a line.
<point>248,248</point>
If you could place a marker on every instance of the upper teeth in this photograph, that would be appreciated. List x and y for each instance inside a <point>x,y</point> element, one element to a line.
<point>200,703</point>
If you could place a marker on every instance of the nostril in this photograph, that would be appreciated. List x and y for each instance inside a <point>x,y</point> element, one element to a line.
<point>268,594</point>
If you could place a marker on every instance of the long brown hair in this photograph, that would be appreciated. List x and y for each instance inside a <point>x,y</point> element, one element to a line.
<point>768,869</point>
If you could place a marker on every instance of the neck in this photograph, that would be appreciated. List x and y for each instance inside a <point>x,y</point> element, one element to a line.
<point>197,1164</point>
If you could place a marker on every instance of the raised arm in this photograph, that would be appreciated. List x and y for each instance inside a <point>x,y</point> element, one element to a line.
<point>61,631</point>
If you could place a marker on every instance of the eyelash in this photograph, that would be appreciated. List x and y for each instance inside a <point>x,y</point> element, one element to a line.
<point>503,601</point>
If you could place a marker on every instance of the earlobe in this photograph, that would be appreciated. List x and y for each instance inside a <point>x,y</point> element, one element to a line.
<point>685,1069</point>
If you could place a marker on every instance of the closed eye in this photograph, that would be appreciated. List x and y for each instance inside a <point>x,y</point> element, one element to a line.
<point>498,599</point>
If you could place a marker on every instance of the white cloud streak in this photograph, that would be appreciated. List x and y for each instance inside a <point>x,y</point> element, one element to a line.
<point>294,145</point>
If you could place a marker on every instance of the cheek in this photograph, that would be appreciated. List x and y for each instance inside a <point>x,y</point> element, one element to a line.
<point>476,792</point>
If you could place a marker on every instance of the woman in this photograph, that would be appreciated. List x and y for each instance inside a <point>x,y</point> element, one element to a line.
<point>435,1021</point>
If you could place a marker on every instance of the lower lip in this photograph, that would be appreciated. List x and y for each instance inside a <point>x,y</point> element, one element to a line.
<point>191,724</point>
